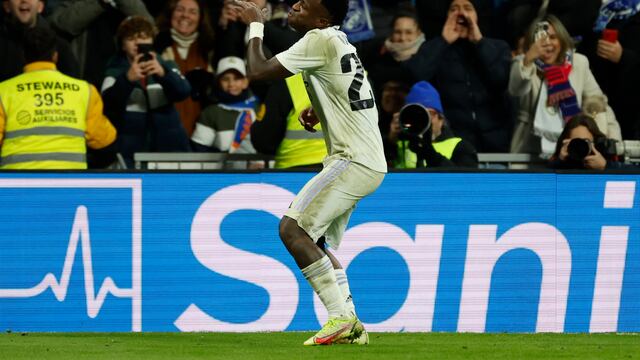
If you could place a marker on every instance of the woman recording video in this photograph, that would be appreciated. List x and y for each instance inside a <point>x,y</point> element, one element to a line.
<point>553,83</point>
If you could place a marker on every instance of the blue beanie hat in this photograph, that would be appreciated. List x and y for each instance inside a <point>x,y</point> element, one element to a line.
<point>424,94</point>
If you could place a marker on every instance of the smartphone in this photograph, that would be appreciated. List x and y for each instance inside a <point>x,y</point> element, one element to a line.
<point>146,50</point>
<point>610,35</point>
<point>542,30</point>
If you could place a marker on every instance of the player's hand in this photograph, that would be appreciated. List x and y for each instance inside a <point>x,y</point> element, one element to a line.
<point>249,12</point>
<point>153,66</point>
<point>308,119</point>
<point>449,32</point>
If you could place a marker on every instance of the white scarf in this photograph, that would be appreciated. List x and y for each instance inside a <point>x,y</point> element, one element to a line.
<point>547,124</point>
<point>183,43</point>
<point>404,51</point>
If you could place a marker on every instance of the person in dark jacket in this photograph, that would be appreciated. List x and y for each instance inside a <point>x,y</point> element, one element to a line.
<point>139,93</point>
<point>578,23</point>
<point>471,73</point>
<point>21,15</point>
<point>615,62</point>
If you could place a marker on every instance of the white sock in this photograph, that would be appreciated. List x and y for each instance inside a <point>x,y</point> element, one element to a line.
<point>343,283</point>
<point>322,279</point>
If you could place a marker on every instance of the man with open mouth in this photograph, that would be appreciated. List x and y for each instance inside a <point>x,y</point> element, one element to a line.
<point>20,15</point>
<point>471,72</point>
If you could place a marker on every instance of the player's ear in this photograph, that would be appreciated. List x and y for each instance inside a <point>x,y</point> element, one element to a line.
<point>323,22</point>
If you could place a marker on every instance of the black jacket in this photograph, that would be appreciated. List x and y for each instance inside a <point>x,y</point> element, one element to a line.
<point>620,81</point>
<point>267,133</point>
<point>472,80</point>
<point>12,56</point>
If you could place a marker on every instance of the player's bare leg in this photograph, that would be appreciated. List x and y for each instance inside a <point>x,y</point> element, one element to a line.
<point>304,251</point>
<point>318,270</point>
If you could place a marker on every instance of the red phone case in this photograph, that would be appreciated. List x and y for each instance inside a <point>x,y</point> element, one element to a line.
<point>610,35</point>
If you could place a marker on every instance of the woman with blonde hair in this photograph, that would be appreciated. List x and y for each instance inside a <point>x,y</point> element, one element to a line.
<point>553,83</point>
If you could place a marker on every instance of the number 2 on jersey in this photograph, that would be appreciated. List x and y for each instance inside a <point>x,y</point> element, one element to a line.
<point>357,103</point>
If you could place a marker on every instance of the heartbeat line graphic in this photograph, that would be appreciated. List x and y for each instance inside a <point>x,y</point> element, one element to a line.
<point>79,234</point>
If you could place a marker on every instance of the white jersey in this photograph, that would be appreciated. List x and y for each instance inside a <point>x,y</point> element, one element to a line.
<point>340,94</point>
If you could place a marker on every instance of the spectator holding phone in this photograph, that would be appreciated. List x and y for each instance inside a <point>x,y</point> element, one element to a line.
<point>139,92</point>
<point>615,60</point>
<point>552,82</point>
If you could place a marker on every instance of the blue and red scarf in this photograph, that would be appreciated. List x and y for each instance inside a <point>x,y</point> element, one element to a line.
<point>245,118</point>
<point>559,90</point>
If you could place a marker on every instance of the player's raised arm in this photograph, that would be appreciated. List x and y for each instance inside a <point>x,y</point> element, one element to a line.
<point>258,66</point>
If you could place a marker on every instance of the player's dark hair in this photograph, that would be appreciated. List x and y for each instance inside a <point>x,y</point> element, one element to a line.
<point>39,44</point>
<point>338,10</point>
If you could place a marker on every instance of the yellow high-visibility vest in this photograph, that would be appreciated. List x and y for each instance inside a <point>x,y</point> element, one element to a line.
<point>46,119</point>
<point>407,159</point>
<point>299,146</point>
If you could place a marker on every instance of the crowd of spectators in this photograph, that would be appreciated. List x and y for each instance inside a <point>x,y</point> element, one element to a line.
<point>509,75</point>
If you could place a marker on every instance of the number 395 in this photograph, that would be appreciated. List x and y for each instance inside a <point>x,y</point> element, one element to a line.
<point>49,99</point>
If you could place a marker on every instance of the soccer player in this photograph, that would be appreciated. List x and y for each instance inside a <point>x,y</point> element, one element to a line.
<point>342,101</point>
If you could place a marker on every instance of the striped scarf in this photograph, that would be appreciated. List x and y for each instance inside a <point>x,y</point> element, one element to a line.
<point>245,118</point>
<point>559,90</point>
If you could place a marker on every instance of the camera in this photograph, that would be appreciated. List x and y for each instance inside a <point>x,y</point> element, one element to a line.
<point>628,150</point>
<point>415,123</point>
<point>578,149</point>
<point>145,50</point>
<point>542,30</point>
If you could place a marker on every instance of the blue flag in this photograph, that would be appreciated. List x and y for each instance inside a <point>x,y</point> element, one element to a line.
<point>616,9</point>
<point>358,25</point>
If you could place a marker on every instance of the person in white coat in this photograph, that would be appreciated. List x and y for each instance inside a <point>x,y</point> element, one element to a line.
<point>553,83</point>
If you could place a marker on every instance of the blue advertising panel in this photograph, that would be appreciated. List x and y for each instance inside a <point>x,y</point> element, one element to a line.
<point>472,252</point>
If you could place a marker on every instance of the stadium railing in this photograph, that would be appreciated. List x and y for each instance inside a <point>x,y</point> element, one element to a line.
<point>199,161</point>
<point>218,161</point>
<point>510,161</point>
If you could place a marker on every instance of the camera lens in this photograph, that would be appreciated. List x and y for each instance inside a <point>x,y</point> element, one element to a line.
<point>578,149</point>
<point>415,119</point>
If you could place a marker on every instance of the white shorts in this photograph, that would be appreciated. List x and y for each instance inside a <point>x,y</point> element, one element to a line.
<point>325,203</point>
